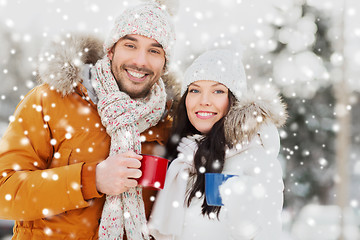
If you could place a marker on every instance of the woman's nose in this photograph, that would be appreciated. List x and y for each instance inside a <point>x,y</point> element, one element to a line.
<point>205,99</point>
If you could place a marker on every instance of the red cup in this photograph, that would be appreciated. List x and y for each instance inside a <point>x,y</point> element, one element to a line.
<point>153,171</point>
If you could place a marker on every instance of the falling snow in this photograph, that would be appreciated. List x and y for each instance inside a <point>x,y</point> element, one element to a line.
<point>301,49</point>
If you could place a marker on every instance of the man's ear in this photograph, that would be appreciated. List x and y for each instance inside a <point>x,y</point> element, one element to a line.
<point>164,68</point>
<point>111,53</point>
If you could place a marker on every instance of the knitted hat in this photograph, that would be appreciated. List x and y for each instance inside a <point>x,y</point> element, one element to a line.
<point>220,65</point>
<point>148,19</point>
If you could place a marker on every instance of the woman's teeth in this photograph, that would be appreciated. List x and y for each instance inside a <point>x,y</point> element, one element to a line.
<point>205,114</point>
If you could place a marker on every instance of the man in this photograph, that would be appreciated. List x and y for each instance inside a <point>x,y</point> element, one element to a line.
<point>55,168</point>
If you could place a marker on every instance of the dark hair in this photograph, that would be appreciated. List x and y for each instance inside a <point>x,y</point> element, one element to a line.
<point>210,154</point>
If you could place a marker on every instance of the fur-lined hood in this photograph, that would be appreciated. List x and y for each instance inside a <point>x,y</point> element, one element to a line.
<point>61,63</point>
<point>257,107</point>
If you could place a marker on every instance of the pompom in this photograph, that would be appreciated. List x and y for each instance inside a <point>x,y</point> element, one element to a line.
<point>171,6</point>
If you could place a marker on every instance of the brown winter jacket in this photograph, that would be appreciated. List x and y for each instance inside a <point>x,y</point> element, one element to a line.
<point>48,156</point>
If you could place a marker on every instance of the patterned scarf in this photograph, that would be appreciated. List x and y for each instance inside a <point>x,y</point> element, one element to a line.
<point>124,119</point>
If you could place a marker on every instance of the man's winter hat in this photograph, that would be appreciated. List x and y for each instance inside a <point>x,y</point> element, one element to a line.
<point>149,19</point>
<point>220,65</point>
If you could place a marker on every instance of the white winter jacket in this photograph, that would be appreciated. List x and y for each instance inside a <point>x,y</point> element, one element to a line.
<point>252,201</point>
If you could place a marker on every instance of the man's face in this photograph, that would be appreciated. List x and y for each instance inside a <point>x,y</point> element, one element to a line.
<point>137,62</point>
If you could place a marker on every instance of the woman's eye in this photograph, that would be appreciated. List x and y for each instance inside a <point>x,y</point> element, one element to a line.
<point>193,91</point>
<point>219,91</point>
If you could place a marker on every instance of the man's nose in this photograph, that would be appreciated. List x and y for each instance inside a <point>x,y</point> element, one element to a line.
<point>140,58</point>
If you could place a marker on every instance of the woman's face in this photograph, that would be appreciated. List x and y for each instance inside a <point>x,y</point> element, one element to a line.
<point>206,103</point>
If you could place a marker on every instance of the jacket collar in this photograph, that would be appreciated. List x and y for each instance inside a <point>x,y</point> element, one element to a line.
<point>246,117</point>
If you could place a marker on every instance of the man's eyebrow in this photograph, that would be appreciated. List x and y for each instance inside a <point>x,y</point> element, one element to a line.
<point>156,45</point>
<point>127,37</point>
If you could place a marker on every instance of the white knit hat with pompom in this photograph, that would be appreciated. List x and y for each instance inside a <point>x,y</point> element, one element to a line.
<point>220,65</point>
<point>150,19</point>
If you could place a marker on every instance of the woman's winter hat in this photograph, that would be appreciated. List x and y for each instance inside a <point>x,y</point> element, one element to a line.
<point>148,19</point>
<point>220,65</point>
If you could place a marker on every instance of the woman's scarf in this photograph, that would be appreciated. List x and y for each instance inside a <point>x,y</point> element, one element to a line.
<point>125,118</point>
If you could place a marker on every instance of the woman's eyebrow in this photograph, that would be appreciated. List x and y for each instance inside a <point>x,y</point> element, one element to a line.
<point>218,84</point>
<point>214,85</point>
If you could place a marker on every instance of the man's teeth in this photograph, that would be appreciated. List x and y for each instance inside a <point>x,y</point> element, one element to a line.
<point>204,114</point>
<point>136,74</point>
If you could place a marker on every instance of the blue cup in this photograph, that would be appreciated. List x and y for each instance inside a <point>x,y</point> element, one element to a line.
<point>212,184</point>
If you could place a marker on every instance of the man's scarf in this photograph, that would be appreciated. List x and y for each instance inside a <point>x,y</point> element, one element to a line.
<point>125,118</point>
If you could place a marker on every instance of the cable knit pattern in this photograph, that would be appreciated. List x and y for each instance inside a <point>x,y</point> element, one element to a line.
<point>124,119</point>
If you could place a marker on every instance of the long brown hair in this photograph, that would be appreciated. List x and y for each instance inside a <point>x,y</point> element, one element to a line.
<point>209,155</point>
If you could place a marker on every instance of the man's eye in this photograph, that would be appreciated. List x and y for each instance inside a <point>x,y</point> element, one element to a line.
<point>155,51</point>
<point>129,46</point>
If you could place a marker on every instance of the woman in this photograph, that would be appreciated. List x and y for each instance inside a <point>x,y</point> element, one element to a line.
<point>222,128</point>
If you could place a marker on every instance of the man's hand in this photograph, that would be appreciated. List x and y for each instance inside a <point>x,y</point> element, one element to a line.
<point>116,174</point>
